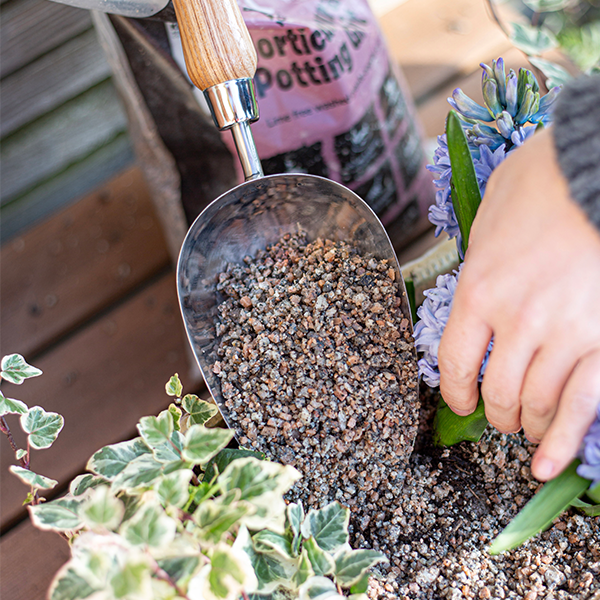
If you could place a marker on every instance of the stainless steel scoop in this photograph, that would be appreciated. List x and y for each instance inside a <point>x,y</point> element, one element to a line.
<point>221,61</point>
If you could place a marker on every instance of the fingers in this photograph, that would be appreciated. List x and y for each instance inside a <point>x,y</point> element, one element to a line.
<point>576,412</point>
<point>461,352</point>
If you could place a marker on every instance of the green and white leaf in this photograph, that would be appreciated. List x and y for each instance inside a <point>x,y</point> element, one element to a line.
<point>199,410</point>
<point>111,460</point>
<point>322,562</point>
<point>57,515</point>
<point>20,453</point>
<point>149,526</point>
<point>85,482</point>
<point>170,451</point>
<point>102,510</point>
<point>132,580</point>
<point>328,526</point>
<point>176,413</point>
<point>10,406</point>
<point>181,568</point>
<point>532,40</point>
<point>556,496</point>
<point>295,516</point>
<point>202,443</point>
<point>173,387</point>
<point>556,75</point>
<point>15,369</point>
<point>318,588</point>
<point>547,5</point>
<point>351,565</point>
<point>305,570</point>
<point>37,482</point>
<point>216,517</point>
<point>220,462</point>
<point>173,489</point>
<point>43,427</point>
<point>270,541</point>
<point>139,475</point>
<point>68,585</point>
<point>156,430</point>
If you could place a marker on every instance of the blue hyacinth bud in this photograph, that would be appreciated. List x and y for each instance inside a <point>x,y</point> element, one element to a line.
<point>546,105</point>
<point>467,107</point>
<point>528,107</point>
<point>512,103</point>
<point>500,76</point>
<point>490,96</point>
<point>505,124</point>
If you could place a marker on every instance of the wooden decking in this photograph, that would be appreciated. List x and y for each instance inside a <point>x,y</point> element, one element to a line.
<point>89,294</point>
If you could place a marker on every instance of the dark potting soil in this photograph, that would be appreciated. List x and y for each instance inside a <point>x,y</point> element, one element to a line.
<point>317,371</point>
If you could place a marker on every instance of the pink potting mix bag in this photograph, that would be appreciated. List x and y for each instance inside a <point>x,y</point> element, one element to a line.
<point>332,104</point>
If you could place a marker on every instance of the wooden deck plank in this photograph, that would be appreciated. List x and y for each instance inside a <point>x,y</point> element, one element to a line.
<point>48,82</point>
<point>102,380</point>
<point>41,149</point>
<point>75,264</point>
<point>30,28</point>
<point>435,41</point>
<point>29,558</point>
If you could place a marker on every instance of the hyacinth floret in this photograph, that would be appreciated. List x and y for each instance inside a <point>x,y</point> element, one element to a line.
<point>433,315</point>
<point>590,453</point>
<point>512,110</point>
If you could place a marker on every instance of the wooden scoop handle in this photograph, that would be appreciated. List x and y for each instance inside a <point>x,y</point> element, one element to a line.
<point>216,44</point>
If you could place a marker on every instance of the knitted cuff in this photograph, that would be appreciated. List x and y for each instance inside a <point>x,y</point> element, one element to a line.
<point>577,139</point>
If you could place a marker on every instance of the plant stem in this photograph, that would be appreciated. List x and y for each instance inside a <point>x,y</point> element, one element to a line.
<point>164,576</point>
<point>5,429</point>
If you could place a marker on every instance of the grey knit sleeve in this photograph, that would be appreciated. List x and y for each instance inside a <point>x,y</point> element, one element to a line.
<point>577,140</point>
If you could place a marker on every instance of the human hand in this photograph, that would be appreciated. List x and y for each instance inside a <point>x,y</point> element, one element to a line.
<point>531,278</point>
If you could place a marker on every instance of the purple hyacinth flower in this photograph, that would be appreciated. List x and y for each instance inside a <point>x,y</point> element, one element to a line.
<point>469,108</point>
<point>512,93</point>
<point>433,315</point>
<point>500,76</point>
<point>590,453</point>
<point>505,124</point>
<point>546,106</point>
<point>487,162</point>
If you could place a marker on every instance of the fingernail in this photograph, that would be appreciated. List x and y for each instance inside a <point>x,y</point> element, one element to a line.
<point>544,468</point>
<point>532,439</point>
<point>461,413</point>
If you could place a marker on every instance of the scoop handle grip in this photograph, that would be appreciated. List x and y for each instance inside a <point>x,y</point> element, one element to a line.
<point>216,43</point>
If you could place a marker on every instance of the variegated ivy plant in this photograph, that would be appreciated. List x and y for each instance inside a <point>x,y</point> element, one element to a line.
<point>176,515</point>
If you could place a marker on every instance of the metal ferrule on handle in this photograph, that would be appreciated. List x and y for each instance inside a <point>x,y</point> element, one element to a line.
<point>233,106</point>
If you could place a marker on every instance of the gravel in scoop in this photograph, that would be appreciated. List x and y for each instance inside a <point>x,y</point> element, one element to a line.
<point>318,370</point>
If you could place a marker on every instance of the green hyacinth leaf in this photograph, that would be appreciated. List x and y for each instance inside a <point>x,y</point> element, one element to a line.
<point>173,387</point>
<point>593,493</point>
<point>226,456</point>
<point>591,510</point>
<point>43,427</point>
<point>37,482</point>
<point>412,299</point>
<point>10,406</point>
<point>555,497</point>
<point>465,191</point>
<point>532,40</point>
<point>199,410</point>
<point>202,443</point>
<point>57,515</point>
<point>111,460</point>
<point>450,428</point>
<point>16,370</point>
<point>328,526</point>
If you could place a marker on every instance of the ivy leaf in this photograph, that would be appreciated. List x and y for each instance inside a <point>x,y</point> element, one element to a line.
<point>362,585</point>
<point>199,410</point>
<point>216,517</point>
<point>547,5</point>
<point>556,496</point>
<point>532,40</point>
<point>10,406</point>
<point>228,574</point>
<point>269,541</point>
<point>43,427</point>
<point>220,462</point>
<point>85,482</point>
<point>555,73</point>
<point>16,370</point>
<point>37,482</point>
<point>201,443</point>
<point>149,526</point>
<point>180,567</point>
<point>170,451</point>
<point>57,515</point>
<point>176,414</point>
<point>591,510</point>
<point>305,570</point>
<point>466,196</point>
<point>131,579</point>
<point>68,585</point>
<point>138,475</point>
<point>20,453</point>
<point>351,565</point>
<point>322,563</point>
<point>156,430</point>
<point>173,387</point>
<point>450,428</point>
<point>173,489</point>
<point>102,509</point>
<point>318,588</point>
<point>111,460</point>
<point>295,516</point>
<point>328,526</point>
